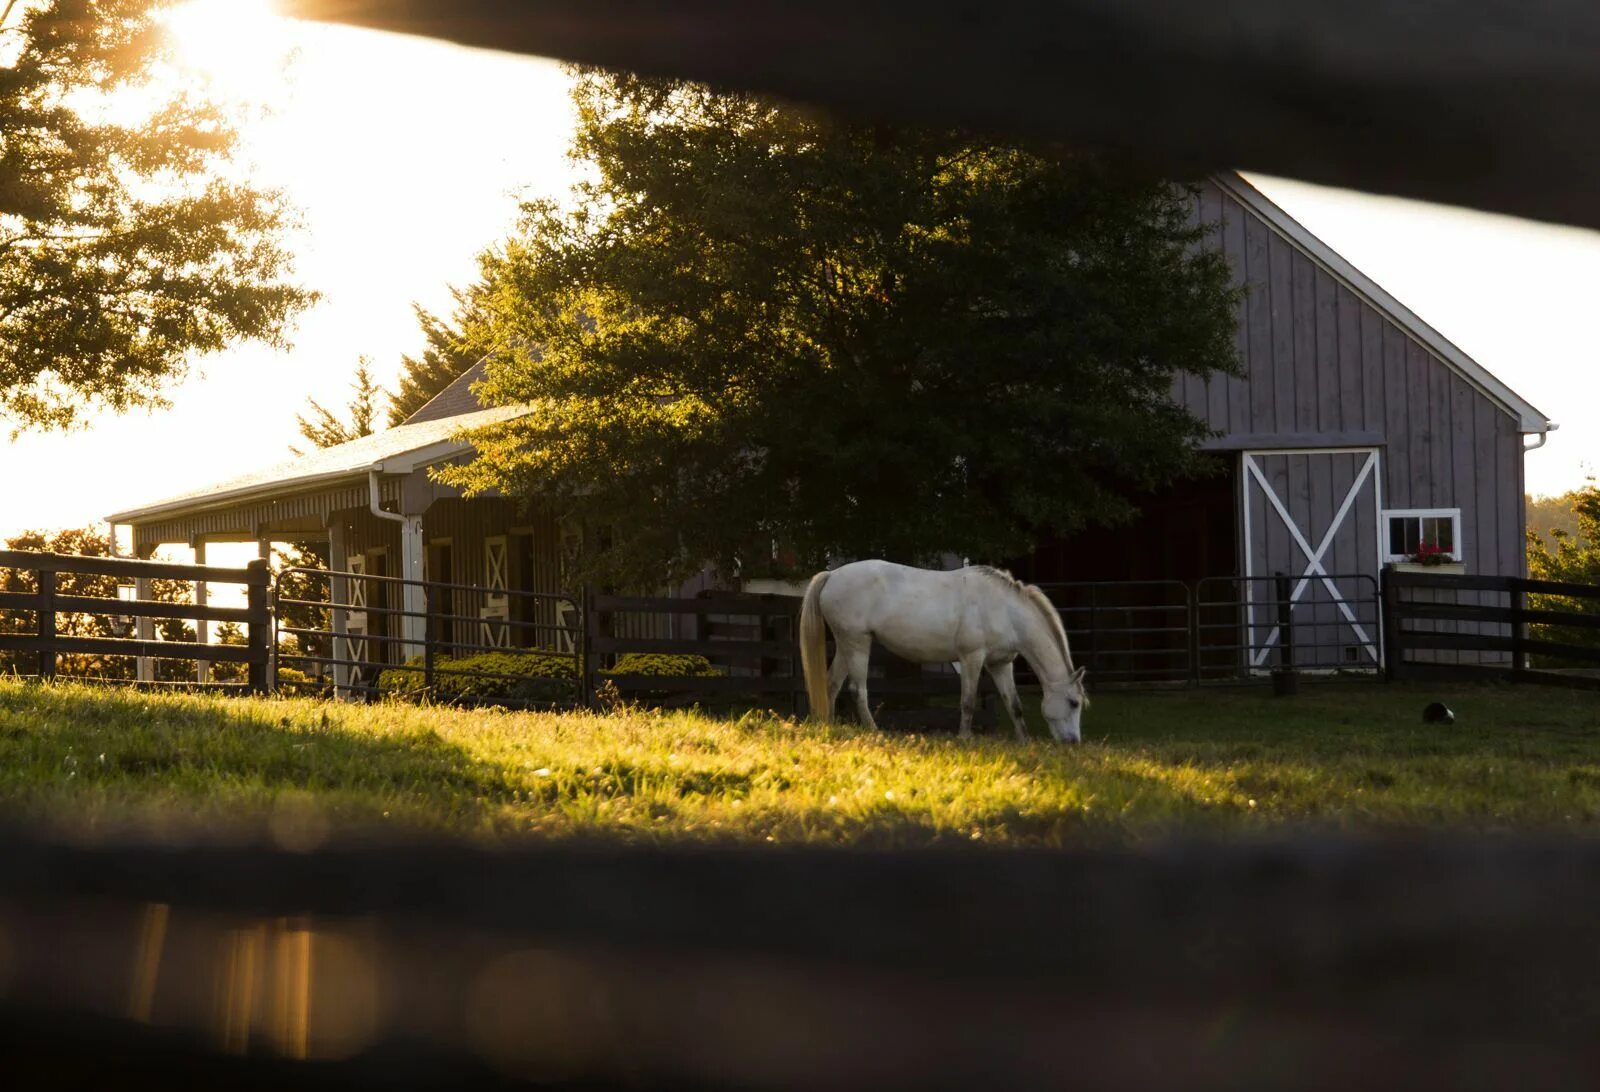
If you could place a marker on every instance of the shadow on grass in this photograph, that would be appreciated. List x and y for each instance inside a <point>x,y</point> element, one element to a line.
<point>78,754</point>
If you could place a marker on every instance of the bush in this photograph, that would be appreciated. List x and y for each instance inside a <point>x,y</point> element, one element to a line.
<point>293,682</point>
<point>487,677</point>
<point>660,663</point>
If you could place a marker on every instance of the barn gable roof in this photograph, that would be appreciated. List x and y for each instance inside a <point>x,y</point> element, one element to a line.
<point>455,399</point>
<point>1529,418</point>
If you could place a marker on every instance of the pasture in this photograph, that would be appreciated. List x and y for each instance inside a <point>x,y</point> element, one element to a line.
<point>1350,756</point>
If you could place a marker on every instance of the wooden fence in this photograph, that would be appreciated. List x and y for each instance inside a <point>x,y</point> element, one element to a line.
<point>1534,631</point>
<point>48,606</point>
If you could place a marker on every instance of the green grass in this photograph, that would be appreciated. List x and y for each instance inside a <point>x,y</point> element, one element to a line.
<point>1349,756</point>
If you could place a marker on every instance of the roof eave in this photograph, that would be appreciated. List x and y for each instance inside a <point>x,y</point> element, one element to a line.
<point>261,492</point>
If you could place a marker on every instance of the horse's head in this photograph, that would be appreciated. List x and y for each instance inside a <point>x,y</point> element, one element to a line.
<point>1063,708</point>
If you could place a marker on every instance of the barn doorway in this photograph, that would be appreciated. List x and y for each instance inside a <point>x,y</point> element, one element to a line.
<point>1313,516</point>
<point>1127,595</point>
<point>1186,532</point>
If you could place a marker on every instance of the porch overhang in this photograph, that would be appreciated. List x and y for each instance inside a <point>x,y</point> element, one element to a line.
<point>298,497</point>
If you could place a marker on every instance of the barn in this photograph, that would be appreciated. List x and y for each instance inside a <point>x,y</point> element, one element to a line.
<point>1355,434</point>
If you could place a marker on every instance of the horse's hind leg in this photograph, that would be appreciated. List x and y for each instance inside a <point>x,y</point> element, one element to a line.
<point>838,672</point>
<point>857,659</point>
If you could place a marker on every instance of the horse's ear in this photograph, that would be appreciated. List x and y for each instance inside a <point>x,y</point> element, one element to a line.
<point>1077,676</point>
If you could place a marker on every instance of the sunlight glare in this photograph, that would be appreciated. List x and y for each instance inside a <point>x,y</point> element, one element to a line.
<point>242,48</point>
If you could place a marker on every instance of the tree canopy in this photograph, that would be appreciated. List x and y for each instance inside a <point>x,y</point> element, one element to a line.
<point>1569,557</point>
<point>127,244</point>
<point>758,333</point>
<point>446,354</point>
<point>321,427</point>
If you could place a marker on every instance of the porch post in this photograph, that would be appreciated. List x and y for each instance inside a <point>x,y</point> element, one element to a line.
<point>339,592</point>
<point>264,552</point>
<point>144,628</point>
<point>414,625</point>
<point>202,628</point>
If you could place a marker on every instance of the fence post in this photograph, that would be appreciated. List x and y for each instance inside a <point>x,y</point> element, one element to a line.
<point>1391,624</point>
<point>595,624</point>
<point>1519,629</point>
<point>1286,658</point>
<point>256,603</point>
<point>430,628</point>
<point>1191,605</point>
<point>1284,679</point>
<point>47,623</point>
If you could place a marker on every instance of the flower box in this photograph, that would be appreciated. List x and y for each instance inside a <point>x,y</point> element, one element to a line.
<point>1457,568</point>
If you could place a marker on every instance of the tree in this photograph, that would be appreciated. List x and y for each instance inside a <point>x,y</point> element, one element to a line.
<point>324,428</point>
<point>447,353</point>
<point>125,245</point>
<point>87,542</point>
<point>1570,557</point>
<point>1549,514</point>
<point>755,326</point>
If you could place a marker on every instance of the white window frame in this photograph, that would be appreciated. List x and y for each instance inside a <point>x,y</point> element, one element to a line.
<point>1458,549</point>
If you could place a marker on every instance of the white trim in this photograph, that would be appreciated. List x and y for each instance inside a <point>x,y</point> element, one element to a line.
<point>1457,549</point>
<point>1529,418</point>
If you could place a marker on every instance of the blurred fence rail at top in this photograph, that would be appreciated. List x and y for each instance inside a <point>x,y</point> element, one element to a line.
<point>1484,103</point>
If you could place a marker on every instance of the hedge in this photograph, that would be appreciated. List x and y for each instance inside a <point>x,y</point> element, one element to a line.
<point>663,664</point>
<point>488,676</point>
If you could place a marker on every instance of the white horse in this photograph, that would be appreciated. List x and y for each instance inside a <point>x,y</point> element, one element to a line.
<point>975,617</point>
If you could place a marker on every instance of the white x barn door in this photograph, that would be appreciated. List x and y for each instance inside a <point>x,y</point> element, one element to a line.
<point>1313,515</point>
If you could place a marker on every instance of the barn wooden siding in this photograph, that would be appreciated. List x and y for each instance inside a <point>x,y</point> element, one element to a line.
<point>1325,367</point>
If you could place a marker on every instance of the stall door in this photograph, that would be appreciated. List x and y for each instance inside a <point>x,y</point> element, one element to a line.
<point>1312,515</point>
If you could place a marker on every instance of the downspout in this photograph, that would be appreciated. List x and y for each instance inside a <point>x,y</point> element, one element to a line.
<point>1544,437</point>
<point>414,622</point>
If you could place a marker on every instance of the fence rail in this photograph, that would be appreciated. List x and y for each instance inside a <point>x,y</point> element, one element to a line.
<point>1439,624</point>
<point>48,607</point>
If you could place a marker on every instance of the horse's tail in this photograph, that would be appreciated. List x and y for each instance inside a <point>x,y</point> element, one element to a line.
<point>814,649</point>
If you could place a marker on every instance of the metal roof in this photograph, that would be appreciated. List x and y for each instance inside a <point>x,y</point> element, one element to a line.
<point>395,450</point>
<point>455,400</point>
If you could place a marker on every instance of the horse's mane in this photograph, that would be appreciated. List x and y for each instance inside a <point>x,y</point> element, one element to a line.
<point>1040,602</point>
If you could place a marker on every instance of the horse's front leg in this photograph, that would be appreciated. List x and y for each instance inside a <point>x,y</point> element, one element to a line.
<point>971,674</point>
<point>1007,685</point>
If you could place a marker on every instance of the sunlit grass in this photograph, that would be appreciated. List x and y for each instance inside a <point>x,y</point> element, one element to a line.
<point>1347,756</point>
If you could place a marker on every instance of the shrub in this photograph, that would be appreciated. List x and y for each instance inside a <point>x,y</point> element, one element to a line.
<point>487,676</point>
<point>293,682</point>
<point>660,663</point>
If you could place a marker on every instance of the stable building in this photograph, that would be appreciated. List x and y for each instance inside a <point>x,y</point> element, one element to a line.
<point>1355,433</point>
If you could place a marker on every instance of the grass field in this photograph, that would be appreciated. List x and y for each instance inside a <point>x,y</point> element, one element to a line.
<point>1350,756</point>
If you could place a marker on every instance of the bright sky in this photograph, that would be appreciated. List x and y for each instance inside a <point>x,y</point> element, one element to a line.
<point>405,157</point>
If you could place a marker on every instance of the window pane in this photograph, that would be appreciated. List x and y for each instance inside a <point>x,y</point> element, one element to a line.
<point>1439,531</point>
<point>1404,533</point>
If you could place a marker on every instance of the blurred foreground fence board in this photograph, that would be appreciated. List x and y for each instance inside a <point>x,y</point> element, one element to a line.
<point>1317,963</point>
<point>1341,92</point>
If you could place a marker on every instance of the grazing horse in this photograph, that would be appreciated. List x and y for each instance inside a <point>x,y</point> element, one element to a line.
<point>975,617</point>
